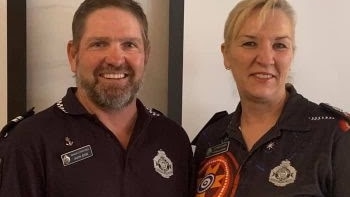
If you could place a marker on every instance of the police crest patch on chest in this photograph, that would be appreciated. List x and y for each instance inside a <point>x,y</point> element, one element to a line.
<point>163,165</point>
<point>283,174</point>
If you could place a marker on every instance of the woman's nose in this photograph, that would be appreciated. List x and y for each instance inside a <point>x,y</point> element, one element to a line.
<point>265,55</point>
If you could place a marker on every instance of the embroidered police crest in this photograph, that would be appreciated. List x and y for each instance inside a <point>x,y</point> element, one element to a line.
<point>283,174</point>
<point>163,165</point>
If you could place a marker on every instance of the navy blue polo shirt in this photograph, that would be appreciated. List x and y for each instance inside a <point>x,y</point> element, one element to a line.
<point>66,152</point>
<point>307,153</point>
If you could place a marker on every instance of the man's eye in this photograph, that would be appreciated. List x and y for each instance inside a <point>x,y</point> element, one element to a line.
<point>98,44</point>
<point>130,45</point>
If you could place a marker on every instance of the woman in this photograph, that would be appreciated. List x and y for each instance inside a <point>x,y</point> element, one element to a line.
<point>276,143</point>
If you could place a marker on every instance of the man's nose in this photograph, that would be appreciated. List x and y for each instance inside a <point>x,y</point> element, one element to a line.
<point>115,55</point>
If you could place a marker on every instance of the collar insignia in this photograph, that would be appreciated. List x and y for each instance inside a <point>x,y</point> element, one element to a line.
<point>153,112</point>
<point>69,142</point>
<point>283,174</point>
<point>60,106</point>
<point>163,165</point>
<point>270,146</point>
<point>315,118</point>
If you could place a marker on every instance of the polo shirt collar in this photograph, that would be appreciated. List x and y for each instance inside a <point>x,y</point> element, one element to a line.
<point>71,105</point>
<point>296,112</point>
<point>294,116</point>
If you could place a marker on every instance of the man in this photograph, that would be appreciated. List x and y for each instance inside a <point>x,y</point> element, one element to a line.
<point>100,140</point>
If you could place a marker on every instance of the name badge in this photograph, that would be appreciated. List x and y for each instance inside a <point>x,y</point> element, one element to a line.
<point>76,155</point>
<point>218,149</point>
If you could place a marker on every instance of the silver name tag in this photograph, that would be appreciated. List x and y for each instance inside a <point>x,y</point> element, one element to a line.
<point>218,149</point>
<point>76,155</point>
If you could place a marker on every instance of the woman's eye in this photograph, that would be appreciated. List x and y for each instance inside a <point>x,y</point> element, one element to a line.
<point>279,46</point>
<point>249,44</point>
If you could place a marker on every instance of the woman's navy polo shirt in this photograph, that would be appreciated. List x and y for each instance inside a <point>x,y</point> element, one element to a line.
<point>307,153</point>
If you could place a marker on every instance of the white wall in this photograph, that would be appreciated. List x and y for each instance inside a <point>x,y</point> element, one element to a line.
<point>155,91</point>
<point>48,71</point>
<point>320,72</point>
<point>48,30</point>
<point>3,62</point>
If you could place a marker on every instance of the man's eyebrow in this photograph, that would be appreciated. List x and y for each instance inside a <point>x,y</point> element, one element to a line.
<point>135,39</point>
<point>104,38</point>
<point>96,38</point>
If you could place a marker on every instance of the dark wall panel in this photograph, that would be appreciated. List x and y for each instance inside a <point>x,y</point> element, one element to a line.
<point>16,58</point>
<point>176,25</point>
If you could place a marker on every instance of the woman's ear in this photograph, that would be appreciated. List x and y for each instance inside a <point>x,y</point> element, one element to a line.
<point>72,55</point>
<point>224,54</point>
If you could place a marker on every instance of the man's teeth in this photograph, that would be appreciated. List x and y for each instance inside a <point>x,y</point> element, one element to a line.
<point>263,76</point>
<point>114,76</point>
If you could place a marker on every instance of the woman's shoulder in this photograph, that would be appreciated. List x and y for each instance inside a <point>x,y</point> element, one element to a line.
<point>326,115</point>
<point>214,128</point>
<point>335,111</point>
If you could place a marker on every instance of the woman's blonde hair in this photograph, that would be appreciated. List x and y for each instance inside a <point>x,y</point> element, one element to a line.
<point>243,10</point>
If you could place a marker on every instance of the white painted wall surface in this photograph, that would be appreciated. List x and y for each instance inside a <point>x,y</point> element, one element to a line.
<point>155,90</point>
<point>3,62</point>
<point>321,69</point>
<point>48,70</point>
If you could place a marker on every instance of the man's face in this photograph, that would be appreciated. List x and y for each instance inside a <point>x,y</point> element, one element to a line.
<point>110,61</point>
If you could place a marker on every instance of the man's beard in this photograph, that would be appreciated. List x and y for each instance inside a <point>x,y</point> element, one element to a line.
<point>110,96</point>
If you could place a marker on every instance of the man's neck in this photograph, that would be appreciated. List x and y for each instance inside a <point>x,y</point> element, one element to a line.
<point>120,122</point>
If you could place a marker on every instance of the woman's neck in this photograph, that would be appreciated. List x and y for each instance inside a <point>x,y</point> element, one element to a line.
<point>258,118</point>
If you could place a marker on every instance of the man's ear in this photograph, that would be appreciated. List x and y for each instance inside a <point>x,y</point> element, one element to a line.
<point>147,52</point>
<point>72,53</point>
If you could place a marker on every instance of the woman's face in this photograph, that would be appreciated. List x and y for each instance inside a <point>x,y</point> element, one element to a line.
<point>260,56</point>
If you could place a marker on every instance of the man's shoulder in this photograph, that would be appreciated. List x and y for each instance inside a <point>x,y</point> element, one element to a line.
<point>5,131</point>
<point>150,112</point>
<point>161,122</point>
<point>154,112</point>
<point>8,130</point>
<point>160,119</point>
<point>30,122</point>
